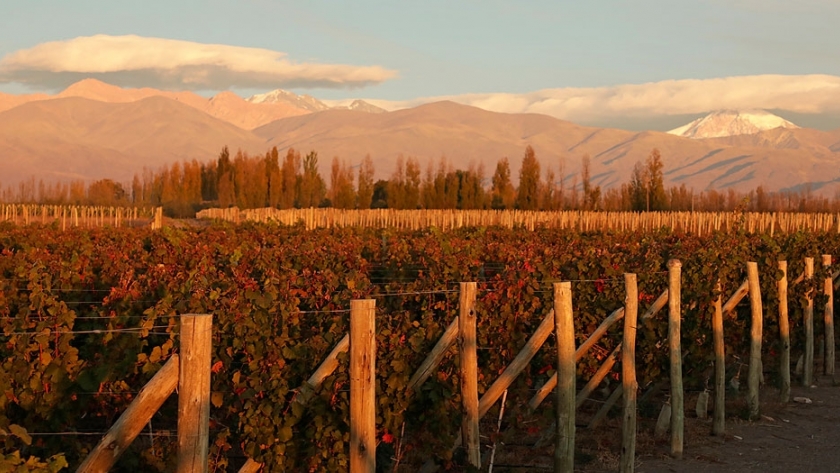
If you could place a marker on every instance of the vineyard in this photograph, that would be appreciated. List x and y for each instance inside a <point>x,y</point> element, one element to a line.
<point>90,315</point>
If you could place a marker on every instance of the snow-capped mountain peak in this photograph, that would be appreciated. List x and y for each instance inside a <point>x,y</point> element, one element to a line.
<point>731,122</point>
<point>305,102</point>
<point>361,106</point>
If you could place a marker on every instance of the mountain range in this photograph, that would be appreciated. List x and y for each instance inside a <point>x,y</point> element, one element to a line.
<point>93,130</point>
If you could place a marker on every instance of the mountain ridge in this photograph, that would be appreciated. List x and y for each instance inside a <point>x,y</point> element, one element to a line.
<point>90,139</point>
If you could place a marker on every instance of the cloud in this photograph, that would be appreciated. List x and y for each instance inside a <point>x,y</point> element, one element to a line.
<point>808,94</point>
<point>135,61</point>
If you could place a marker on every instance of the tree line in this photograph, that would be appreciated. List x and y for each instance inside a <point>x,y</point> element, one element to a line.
<point>294,181</point>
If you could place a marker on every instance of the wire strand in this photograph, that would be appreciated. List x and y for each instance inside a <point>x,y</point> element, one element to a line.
<point>120,330</point>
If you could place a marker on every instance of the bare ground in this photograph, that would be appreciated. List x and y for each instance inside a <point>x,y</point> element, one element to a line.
<point>793,436</point>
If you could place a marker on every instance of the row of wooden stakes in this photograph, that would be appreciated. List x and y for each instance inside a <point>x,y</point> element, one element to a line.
<point>80,215</point>
<point>700,223</point>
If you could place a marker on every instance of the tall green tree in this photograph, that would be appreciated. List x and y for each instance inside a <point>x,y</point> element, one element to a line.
<point>364,193</point>
<point>312,186</point>
<point>548,191</point>
<point>658,200</point>
<point>209,181</point>
<point>471,190</point>
<point>107,192</point>
<point>527,197</point>
<point>225,179</point>
<point>502,193</point>
<point>341,193</point>
<point>647,190</point>
<point>412,183</point>
<point>638,188</point>
<point>273,178</point>
<point>289,175</point>
<point>591,194</point>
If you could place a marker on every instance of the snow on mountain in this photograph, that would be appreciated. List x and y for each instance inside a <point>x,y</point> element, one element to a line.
<point>731,123</point>
<point>305,102</point>
<point>312,104</point>
<point>361,106</point>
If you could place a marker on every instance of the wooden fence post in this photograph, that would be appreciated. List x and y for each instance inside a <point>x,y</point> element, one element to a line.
<point>784,333</point>
<point>132,421</point>
<point>828,288</point>
<point>756,328</point>
<point>674,314</point>
<point>194,393</point>
<point>469,372</point>
<point>628,374</point>
<point>808,322</point>
<point>362,386</point>
<point>564,450</point>
<point>599,332</point>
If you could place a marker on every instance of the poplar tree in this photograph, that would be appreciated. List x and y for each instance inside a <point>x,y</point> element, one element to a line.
<point>341,194</point>
<point>591,194</point>
<point>527,198</point>
<point>396,186</point>
<point>503,194</point>
<point>224,180</point>
<point>273,178</point>
<point>412,184</point>
<point>364,194</point>
<point>312,187</point>
<point>647,188</point>
<point>289,175</point>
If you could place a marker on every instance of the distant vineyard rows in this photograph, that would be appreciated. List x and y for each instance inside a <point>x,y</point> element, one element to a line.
<point>88,316</point>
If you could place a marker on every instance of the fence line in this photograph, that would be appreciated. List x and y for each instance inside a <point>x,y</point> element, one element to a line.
<point>693,222</point>
<point>195,390</point>
<point>81,215</point>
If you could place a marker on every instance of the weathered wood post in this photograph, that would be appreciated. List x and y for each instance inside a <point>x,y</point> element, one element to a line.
<point>469,372</point>
<point>756,328</point>
<point>564,450</point>
<point>132,421</point>
<point>719,422</point>
<point>628,374</point>
<point>674,314</point>
<point>808,322</point>
<point>362,386</point>
<point>828,289</point>
<point>784,333</point>
<point>194,393</point>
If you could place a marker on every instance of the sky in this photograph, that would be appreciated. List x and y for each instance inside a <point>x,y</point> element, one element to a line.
<point>631,64</point>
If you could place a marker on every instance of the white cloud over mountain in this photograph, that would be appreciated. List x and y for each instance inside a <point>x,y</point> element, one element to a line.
<point>812,94</point>
<point>136,61</point>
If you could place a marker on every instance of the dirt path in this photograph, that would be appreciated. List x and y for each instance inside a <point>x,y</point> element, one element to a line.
<point>795,437</point>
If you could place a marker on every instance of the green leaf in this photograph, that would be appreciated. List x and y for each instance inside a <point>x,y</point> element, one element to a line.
<point>155,356</point>
<point>285,434</point>
<point>20,433</point>
<point>217,399</point>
